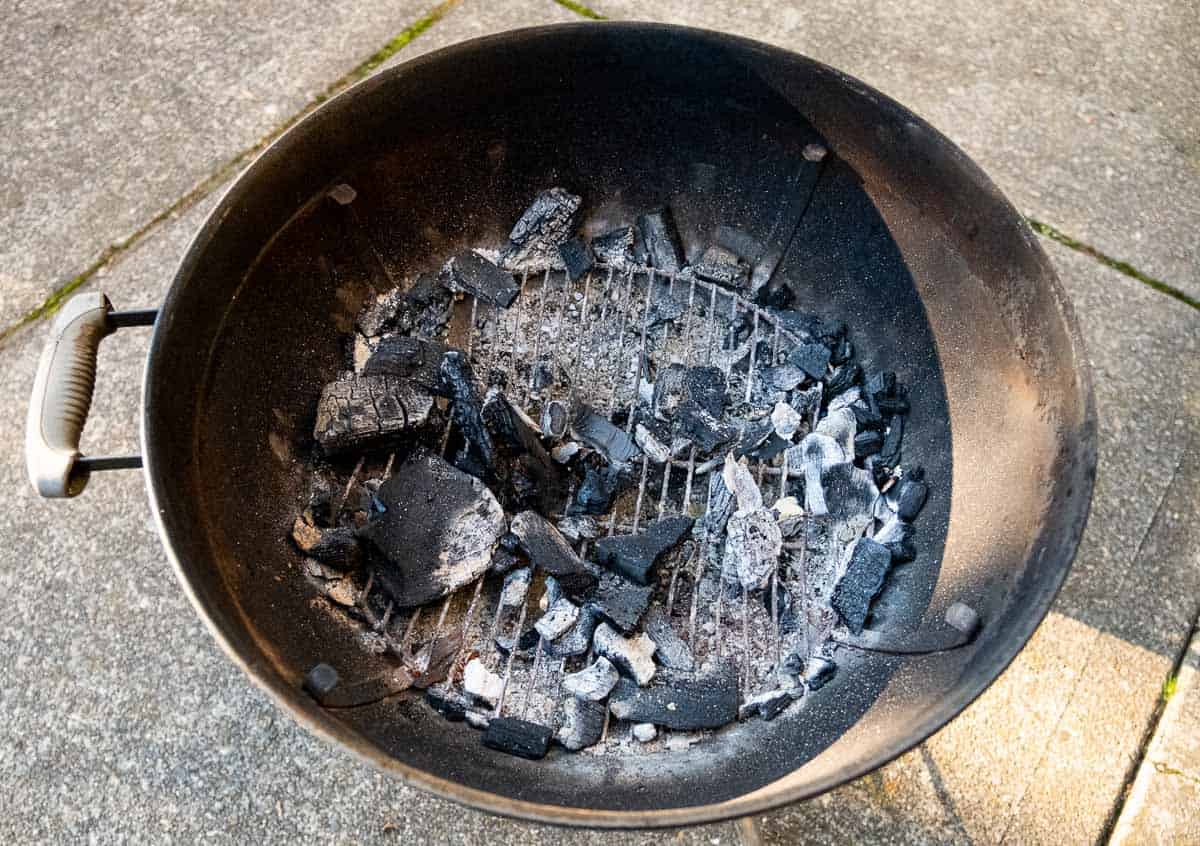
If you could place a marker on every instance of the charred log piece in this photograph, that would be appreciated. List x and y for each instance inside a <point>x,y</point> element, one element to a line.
<point>861,583</point>
<point>457,384</point>
<point>533,478</point>
<point>661,239</point>
<point>369,412</point>
<point>415,359</point>
<point>583,723</point>
<point>576,257</point>
<point>471,273</point>
<point>548,222</point>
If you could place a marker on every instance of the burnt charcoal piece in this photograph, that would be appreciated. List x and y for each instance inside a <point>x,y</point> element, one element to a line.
<point>549,551</point>
<point>707,432</point>
<point>655,450</point>
<point>812,358</point>
<point>620,602</point>
<point>555,420</point>
<point>786,610</point>
<point>601,435</point>
<point>677,385</point>
<point>867,443</point>
<point>839,425</point>
<point>866,418</point>
<point>473,274</point>
<point>615,248</point>
<point>879,385</point>
<point>436,532</point>
<point>842,353</point>
<point>421,309</point>
<point>720,506</point>
<point>842,379</point>
<point>578,638</point>
<point>548,222</point>
<point>680,701</point>
<point>899,538</point>
<point>670,649</point>
<point>820,672</point>
<point>808,401</point>
<point>776,294</point>
<point>634,556</point>
<point>910,498</point>
<point>526,642</point>
<point>450,707</point>
<point>369,412</point>
<point>889,453</point>
<point>503,560</point>
<point>783,377</point>
<point>752,435</point>
<point>849,490</point>
<point>579,528</point>
<point>888,406</point>
<point>661,239</point>
<point>596,493</point>
<point>633,656</point>
<point>752,546</point>
<point>768,705</point>
<point>722,267</point>
<point>518,737</point>
<point>583,723</point>
<point>594,682</point>
<point>861,583</point>
<point>576,257</point>
<point>559,618</point>
<point>457,383</point>
<point>415,359</point>
<point>542,376</point>
<point>535,478</point>
<point>811,327</point>
<point>819,453</point>
<point>335,546</point>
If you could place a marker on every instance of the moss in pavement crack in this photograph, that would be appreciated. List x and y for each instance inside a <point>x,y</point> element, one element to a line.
<point>581,10</point>
<point>1048,231</point>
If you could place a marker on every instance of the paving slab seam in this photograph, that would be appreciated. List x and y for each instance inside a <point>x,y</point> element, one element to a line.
<point>219,177</point>
<point>1016,806</point>
<point>581,10</point>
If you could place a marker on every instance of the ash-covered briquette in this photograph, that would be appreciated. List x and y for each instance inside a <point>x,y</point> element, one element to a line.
<point>634,556</point>
<point>861,583</point>
<point>583,723</point>
<point>677,384</point>
<point>594,682</point>
<point>661,239</point>
<point>632,656</point>
<point>812,358</point>
<point>472,274</point>
<point>434,532</point>
<point>518,737</point>
<point>548,222</point>
<point>681,701</point>
<point>369,412</point>
<point>722,267</point>
<point>620,602</point>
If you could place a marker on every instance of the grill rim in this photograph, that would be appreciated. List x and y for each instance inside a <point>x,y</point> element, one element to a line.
<point>235,635</point>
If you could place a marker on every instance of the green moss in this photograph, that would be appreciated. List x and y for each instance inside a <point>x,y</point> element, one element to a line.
<point>1169,686</point>
<point>581,10</point>
<point>1048,231</point>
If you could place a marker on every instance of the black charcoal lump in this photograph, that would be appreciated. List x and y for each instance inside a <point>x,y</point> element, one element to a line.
<point>634,556</point>
<point>518,737</point>
<point>910,498</point>
<point>422,309</point>
<point>615,248</point>
<point>369,412</point>
<point>458,384</point>
<point>407,357</point>
<point>435,532</point>
<point>722,267</point>
<point>812,358</point>
<point>861,583</point>
<point>600,434</point>
<point>576,257</point>
<point>620,602</point>
<point>661,240</point>
<point>548,222</point>
<point>549,551</point>
<point>680,701</point>
<point>471,273</point>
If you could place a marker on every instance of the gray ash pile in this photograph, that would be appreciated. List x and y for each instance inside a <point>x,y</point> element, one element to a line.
<point>601,496</point>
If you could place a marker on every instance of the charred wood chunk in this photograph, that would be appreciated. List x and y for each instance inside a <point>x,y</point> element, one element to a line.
<point>449,706</point>
<point>555,420</point>
<point>680,701</point>
<point>752,434</point>
<point>842,379</point>
<point>634,556</point>
<point>786,420</point>
<point>655,450</point>
<point>548,222</point>
<point>812,358</point>
<point>558,619</point>
<point>867,442</point>
<point>473,274</point>
<point>583,723</point>
<point>820,672</point>
<point>678,384</point>
<point>707,432</point>
<point>549,551</point>
<point>670,649</point>
<point>616,248</point>
<point>783,377</point>
<point>578,638</point>
<point>620,602</point>
<point>722,267</point>
<point>839,425</point>
<point>910,498</point>
<point>633,656</point>
<point>880,385</point>
<point>811,327</point>
<point>661,240</point>
<point>336,546</point>
<point>534,477</point>
<point>865,418</point>
<point>900,539</point>
<point>600,434</point>
<point>849,490</point>
<point>518,737</point>
<point>816,454</point>
<point>458,384</point>
<point>843,352</point>
<point>808,401</point>
<point>576,257</point>
<point>787,612</point>
<point>861,583</point>
<point>719,508</point>
<point>436,532</point>
<point>889,453</point>
<point>579,528</point>
<point>598,490</point>
<point>421,309</point>
<point>888,406</point>
<point>368,412</point>
<point>414,359</point>
<point>594,682</point>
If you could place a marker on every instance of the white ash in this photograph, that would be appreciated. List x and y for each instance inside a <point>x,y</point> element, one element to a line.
<point>656,450</point>
<point>738,479</point>
<point>579,528</point>
<point>481,682</point>
<point>563,453</point>
<point>634,656</point>
<point>644,732</point>
<point>593,682</point>
<point>840,426</point>
<point>786,420</point>
<point>559,617</point>
<point>516,586</point>
<point>752,545</point>
<point>846,398</point>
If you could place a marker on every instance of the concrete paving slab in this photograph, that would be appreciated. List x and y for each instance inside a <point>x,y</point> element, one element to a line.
<point>1081,112</point>
<point>1164,802</point>
<point>112,112</point>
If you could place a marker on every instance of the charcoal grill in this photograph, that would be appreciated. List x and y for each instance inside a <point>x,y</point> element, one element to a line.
<point>894,231</point>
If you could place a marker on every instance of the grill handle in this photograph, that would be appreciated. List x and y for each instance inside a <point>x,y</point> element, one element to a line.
<point>62,396</point>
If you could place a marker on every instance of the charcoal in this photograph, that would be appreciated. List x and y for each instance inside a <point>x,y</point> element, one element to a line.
<point>661,239</point>
<point>471,273</point>
<point>812,358</point>
<point>549,551</point>
<point>601,435</point>
<point>752,435</point>
<point>599,488</point>
<point>458,385</point>
<point>818,452</point>
<point>502,561</point>
<point>910,498</point>
<point>850,492</point>
<point>722,267</point>
<point>558,619</point>
<point>768,704</point>
<point>583,723</point>
<point>771,449</point>
<point>775,295</point>
<point>839,425</point>
<point>548,222</point>
<point>783,377</point>
<point>449,706</point>
<point>436,532</point>
<point>526,642</point>
<point>620,602</point>
<point>578,638</point>
<point>480,682</point>
<point>752,546</point>
<point>655,450</point>
<point>555,420</point>
<point>336,546</point>
<point>478,719</point>
<point>811,327</point>
<point>579,528</point>
<point>677,384</point>
<point>846,399</point>
<point>899,538</point>
<point>786,421</point>
<point>861,583</point>
<point>664,309</point>
<point>789,515</point>
<point>414,359</point>
<point>865,418</point>
<point>680,701</point>
<point>737,477</point>
<point>963,618</point>
<point>534,477</point>
<point>518,737</point>
<point>510,542</point>
<point>368,412</point>
<point>670,649</point>
<point>787,614</point>
<point>615,248</point>
<point>888,406</point>
<point>516,587</point>
<point>720,506</point>
<point>820,672</point>
<point>808,401</point>
<point>880,385</point>
<point>707,432</point>
<point>842,352</point>
<point>867,442</point>
<point>421,309</point>
<point>576,257</point>
<point>842,379</point>
<point>594,682</point>
<point>634,556</point>
<point>632,656</point>
<point>889,453</point>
